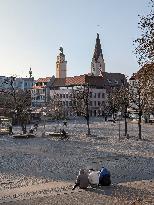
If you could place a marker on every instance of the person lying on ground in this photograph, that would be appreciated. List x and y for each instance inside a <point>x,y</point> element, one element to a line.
<point>104,177</point>
<point>82,180</point>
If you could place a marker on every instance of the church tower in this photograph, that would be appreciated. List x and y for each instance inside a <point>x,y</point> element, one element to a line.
<point>97,64</point>
<point>61,64</point>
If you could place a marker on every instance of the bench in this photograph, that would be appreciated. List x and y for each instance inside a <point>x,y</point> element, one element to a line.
<point>57,134</point>
<point>22,136</point>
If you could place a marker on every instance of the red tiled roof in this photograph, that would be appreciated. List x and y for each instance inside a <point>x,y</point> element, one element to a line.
<point>98,81</point>
<point>47,79</point>
<point>76,80</point>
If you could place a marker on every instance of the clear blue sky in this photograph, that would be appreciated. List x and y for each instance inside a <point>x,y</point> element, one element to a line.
<point>31,32</point>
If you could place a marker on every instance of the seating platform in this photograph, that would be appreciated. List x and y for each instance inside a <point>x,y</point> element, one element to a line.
<point>56,134</point>
<point>21,136</point>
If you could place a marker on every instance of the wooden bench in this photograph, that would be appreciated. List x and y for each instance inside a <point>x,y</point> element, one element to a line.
<point>22,136</point>
<point>57,134</point>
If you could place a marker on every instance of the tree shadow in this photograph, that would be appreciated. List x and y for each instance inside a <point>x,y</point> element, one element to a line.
<point>123,192</point>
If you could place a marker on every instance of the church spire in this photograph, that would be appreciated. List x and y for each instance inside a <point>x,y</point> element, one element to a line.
<point>97,64</point>
<point>98,49</point>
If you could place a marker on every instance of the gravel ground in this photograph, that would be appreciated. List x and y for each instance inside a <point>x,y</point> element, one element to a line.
<point>40,161</point>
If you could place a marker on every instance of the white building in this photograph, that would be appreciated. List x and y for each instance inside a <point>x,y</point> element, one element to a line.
<point>40,91</point>
<point>97,94</point>
<point>18,83</point>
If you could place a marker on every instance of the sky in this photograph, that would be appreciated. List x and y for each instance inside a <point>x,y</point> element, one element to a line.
<point>31,32</point>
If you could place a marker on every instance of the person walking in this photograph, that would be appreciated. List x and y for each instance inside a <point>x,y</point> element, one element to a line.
<point>65,123</point>
<point>82,180</point>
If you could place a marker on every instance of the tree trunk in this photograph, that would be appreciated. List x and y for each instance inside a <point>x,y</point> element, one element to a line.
<point>125,120</point>
<point>139,125</point>
<point>23,126</point>
<point>88,125</point>
<point>125,126</point>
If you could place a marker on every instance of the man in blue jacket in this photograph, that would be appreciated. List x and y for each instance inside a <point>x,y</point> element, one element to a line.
<point>104,177</point>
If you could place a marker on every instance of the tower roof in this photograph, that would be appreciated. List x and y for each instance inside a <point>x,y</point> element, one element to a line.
<point>98,49</point>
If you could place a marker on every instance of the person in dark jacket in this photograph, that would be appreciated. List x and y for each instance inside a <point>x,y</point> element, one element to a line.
<point>10,130</point>
<point>104,177</point>
<point>82,180</point>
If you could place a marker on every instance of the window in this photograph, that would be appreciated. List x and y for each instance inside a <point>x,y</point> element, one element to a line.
<point>103,95</point>
<point>91,103</point>
<point>99,103</point>
<point>94,95</point>
<point>99,95</point>
<point>95,103</point>
<point>109,81</point>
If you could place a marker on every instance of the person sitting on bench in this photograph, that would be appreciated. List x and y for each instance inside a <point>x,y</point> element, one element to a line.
<point>64,135</point>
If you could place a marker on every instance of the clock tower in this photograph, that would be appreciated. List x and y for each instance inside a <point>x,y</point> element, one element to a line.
<point>61,65</point>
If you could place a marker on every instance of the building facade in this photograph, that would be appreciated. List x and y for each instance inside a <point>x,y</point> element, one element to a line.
<point>18,83</point>
<point>63,89</point>
<point>40,91</point>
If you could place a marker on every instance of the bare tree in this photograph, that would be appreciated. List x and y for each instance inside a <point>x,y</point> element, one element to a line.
<point>123,96</point>
<point>81,102</point>
<point>145,43</point>
<point>143,90</point>
<point>112,105</point>
<point>56,107</point>
<point>142,93</point>
<point>19,102</point>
